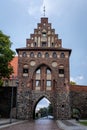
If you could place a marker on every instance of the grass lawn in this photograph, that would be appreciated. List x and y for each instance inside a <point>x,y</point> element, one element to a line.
<point>83,122</point>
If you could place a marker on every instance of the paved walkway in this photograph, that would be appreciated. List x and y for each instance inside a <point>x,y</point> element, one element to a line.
<point>4,123</point>
<point>45,124</point>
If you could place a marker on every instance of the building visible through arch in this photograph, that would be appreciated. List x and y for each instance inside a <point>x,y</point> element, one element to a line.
<point>43,71</point>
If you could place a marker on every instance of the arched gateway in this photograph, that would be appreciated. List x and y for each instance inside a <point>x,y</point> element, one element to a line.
<point>43,71</point>
<point>36,103</point>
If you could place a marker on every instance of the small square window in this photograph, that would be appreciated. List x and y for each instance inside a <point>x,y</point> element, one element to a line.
<point>25,70</point>
<point>48,83</point>
<point>61,71</point>
<point>44,34</point>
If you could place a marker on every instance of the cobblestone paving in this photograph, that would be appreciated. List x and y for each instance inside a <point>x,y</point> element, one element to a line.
<point>35,125</point>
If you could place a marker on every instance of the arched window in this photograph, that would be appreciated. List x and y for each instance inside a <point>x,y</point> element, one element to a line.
<point>62,55</point>
<point>24,54</point>
<point>38,79</point>
<point>31,54</point>
<point>54,55</point>
<point>48,74</point>
<point>46,54</point>
<point>38,71</point>
<point>39,54</point>
<point>43,78</point>
<point>48,71</point>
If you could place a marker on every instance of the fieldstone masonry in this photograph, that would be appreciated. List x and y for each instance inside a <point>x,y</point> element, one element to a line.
<point>43,71</point>
<point>78,97</point>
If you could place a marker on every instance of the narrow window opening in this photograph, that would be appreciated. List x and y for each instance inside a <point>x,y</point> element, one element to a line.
<point>47,55</point>
<point>52,44</point>
<point>35,44</point>
<point>31,54</point>
<point>54,55</point>
<point>38,83</point>
<point>62,55</point>
<point>39,54</point>
<point>24,54</point>
<point>48,83</point>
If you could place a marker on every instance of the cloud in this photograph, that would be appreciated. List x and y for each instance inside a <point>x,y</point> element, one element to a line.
<point>77,79</point>
<point>51,7</point>
<point>58,8</point>
<point>43,103</point>
<point>55,8</point>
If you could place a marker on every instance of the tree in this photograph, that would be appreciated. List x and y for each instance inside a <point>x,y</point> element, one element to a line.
<point>72,83</point>
<point>50,109</point>
<point>76,113</point>
<point>43,111</point>
<point>6,55</point>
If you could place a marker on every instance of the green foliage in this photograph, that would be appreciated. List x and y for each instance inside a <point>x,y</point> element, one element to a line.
<point>75,113</point>
<point>72,83</point>
<point>50,109</point>
<point>6,55</point>
<point>83,122</point>
<point>1,82</point>
<point>43,111</point>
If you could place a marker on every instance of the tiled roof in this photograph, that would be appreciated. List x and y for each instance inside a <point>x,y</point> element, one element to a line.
<point>14,63</point>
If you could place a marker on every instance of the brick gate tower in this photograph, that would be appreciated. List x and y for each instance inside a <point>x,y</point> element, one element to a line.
<point>43,71</point>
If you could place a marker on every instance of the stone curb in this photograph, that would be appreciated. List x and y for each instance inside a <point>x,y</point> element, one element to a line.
<point>76,125</point>
<point>7,124</point>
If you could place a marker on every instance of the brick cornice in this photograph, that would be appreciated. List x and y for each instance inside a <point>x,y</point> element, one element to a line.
<point>43,49</point>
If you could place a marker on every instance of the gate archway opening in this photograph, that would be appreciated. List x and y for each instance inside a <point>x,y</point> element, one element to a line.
<point>43,109</point>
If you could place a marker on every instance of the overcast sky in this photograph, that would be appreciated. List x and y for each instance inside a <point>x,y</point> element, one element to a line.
<point>42,103</point>
<point>18,18</point>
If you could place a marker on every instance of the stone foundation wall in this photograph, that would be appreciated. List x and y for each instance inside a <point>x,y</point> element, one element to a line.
<point>78,97</point>
<point>28,100</point>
